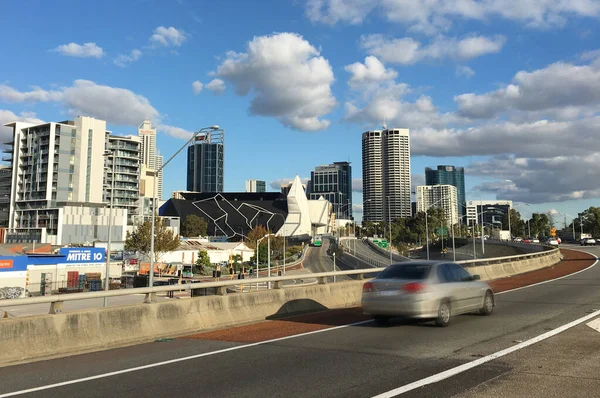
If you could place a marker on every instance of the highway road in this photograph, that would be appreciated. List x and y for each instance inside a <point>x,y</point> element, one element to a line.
<point>337,353</point>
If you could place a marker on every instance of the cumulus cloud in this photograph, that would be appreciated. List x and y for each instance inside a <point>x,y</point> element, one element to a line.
<point>86,50</point>
<point>557,87</point>
<point>9,94</point>
<point>357,208</point>
<point>464,71</point>
<point>433,16</point>
<point>7,116</point>
<point>167,37</point>
<point>216,86</point>
<point>176,132</point>
<point>540,180</point>
<point>276,184</point>
<point>197,87</point>
<point>372,71</point>
<point>408,51</point>
<point>123,60</point>
<point>288,77</point>
<point>357,184</point>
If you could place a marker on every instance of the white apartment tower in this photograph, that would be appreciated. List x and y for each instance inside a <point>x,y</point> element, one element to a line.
<point>386,174</point>
<point>123,156</point>
<point>439,196</point>
<point>148,155</point>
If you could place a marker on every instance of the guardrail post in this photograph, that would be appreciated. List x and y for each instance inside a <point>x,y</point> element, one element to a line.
<point>278,285</point>
<point>322,280</point>
<point>360,277</point>
<point>221,290</point>
<point>149,299</point>
<point>56,308</point>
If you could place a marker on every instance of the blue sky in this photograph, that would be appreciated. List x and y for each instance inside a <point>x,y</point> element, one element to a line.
<point>508,89</point>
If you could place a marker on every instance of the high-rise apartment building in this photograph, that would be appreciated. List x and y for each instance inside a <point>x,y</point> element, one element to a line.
<point>334,183</point>
<point>372,172</point>
<point>205,166</point>
<point>5,184</point>
<point>256,186</point>
<point>449,175</point>
<point>386,174</point>
<point>123,156</point>
<point>444,197</point>
<point>57,168</point>
<point>150,158</point>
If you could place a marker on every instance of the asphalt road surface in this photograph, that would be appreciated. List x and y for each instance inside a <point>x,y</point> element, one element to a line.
<point>340,353</point>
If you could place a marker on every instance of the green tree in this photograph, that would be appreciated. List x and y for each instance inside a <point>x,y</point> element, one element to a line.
<point>515,222</point>
<point>164,238</point>
<point>194,226</point>
<point>202,261</point>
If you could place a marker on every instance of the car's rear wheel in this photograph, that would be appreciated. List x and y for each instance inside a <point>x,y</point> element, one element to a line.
<point>382,320</point>
<point>488,304</point>
<point>443,318</point>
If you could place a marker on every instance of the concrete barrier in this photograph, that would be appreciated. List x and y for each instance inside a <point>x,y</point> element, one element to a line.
<point>37,337</point>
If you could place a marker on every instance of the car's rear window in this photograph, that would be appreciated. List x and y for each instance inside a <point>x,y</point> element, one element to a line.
<point>408,271</point>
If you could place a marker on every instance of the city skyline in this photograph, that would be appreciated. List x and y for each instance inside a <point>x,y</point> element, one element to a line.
<point>466,84</point>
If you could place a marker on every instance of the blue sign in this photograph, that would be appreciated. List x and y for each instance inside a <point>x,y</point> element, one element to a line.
<point>83,255</point>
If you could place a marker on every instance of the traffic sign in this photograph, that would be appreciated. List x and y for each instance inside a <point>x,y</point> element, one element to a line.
<point>553,231</point>
<point>441,231</point>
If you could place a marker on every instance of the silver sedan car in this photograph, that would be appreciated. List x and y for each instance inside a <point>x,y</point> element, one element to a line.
<point>426,290</point>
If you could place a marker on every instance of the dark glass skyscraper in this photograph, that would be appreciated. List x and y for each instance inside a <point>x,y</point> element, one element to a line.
<point>334,183</point>
<point>449,175</point>
<point>205,163</point>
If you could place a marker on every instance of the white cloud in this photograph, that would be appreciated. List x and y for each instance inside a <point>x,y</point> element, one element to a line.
<point>408,51</point>
<point>197,87</point>
<point>433,16</point>
<point>357,208</point>
<point>167,37</point>
<point>124,60</point>
<point>464,71</point>
<point>372,71</point>
<point>216,86</point>
<point>7,116</point>
<point>289,78</point>
<point>115,105</point>
<point>86,50</point>
<point>557,87</point>
<point>176,132</point>
<point>357,184</point>
<point>9,94</point>
<point>333,11</point>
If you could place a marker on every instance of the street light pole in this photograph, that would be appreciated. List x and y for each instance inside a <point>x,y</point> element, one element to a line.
<point>390,226</point>
<point>154,183</point>
<point>108,248</point>
<point>482,245</point>
<point>334,266</point>
<point>427,233</point>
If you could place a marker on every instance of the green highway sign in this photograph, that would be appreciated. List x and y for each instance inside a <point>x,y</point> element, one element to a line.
<point>441,231</point>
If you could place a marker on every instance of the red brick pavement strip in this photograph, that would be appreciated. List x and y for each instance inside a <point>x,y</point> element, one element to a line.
<point>573,261</point>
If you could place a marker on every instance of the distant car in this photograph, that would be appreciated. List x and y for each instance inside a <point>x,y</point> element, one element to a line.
<point>559,240</point>
<point>527,240</point>
<point>518,239</point>
<point>535,240</point>
<point>434,290</point>
<point>588,242</point>
<point>552,241</point>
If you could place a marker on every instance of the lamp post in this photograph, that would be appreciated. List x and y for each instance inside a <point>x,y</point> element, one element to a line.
<point>334,266</point>
<point>109,154</point>
<point>156,172</point>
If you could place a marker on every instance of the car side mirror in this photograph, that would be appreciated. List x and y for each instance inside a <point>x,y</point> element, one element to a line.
<point>475,277</point>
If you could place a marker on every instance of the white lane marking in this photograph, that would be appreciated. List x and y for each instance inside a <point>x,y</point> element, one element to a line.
<point>595,324</point>
<point>168,362</point>
<point>470,365</point>
<point>555,279</point>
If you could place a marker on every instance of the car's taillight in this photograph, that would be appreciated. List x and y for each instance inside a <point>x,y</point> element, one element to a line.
<point>413,287</point>
<point>368,287</point>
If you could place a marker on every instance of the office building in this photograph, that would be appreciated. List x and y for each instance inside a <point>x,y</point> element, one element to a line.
<point>333,182</point>
<point>150,158</point>
<point>256,186</point>
<point>205,162</point>
<point>493,211</point>
<point>123,156</point>
<point>5,184</point>
<point>56,169</point>
<point>452,176</point>
<point>444,197</point>
<point>386,174</point>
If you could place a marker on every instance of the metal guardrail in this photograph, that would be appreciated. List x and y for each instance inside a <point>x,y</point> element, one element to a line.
<point>149,291</point>
<point>221,286</point>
